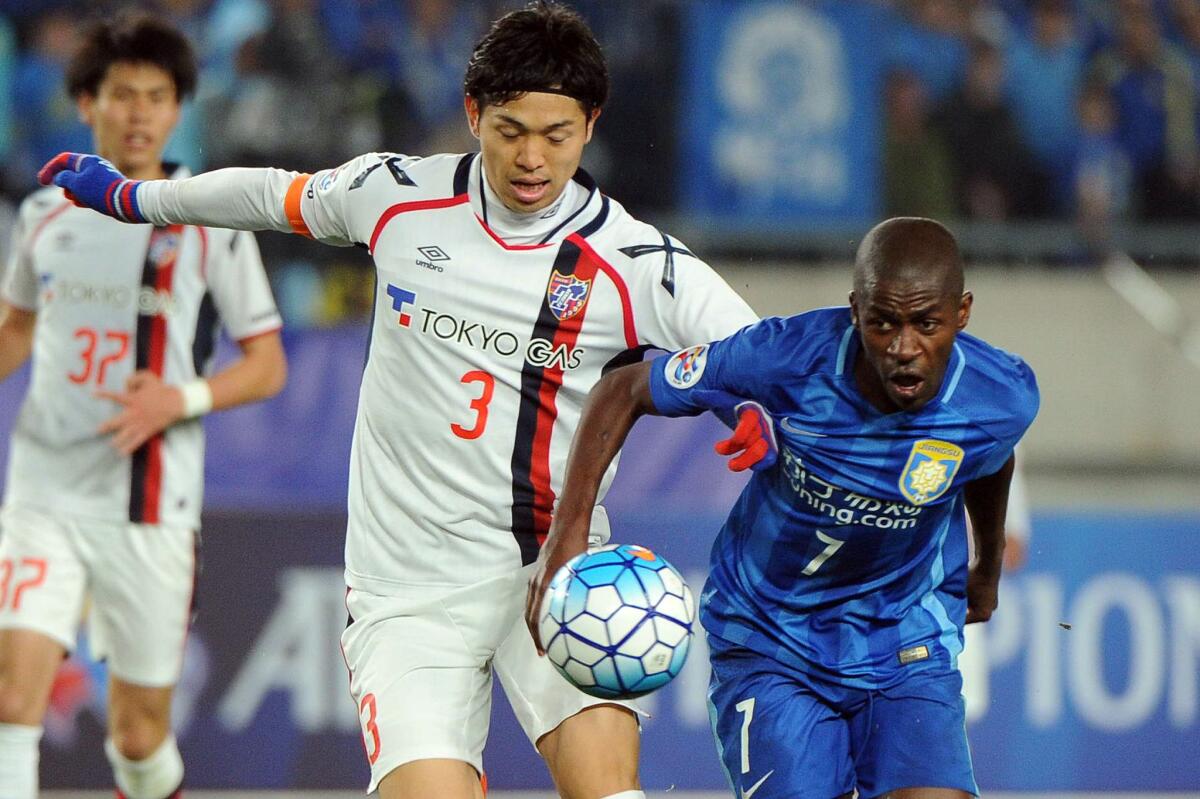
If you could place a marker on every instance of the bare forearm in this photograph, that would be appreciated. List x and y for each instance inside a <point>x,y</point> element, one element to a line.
<point>616,402</point>
<point>258,375</point>
<point>241,199</point>
<point>987,503</point>
<point>16,339</point>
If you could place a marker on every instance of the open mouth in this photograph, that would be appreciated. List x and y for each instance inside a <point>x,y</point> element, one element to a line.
<point>906,385</point>
<point>530,192</point>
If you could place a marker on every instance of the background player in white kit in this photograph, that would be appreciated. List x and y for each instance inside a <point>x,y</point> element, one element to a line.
<point>973,661</point>
<point>106,461</point>
<point>506,284</point>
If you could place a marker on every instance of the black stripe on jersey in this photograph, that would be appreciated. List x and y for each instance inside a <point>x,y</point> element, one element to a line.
<point>625,358</point>
<point>371,324</point>
<point>583,179</point>
<point>141,359</point>
<point>594,225</point>
<point>205,340</point>
<point>462,174</point>
<point>524,527</point>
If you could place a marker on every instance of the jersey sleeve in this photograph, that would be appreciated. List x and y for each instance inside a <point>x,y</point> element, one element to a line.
<point>718,375</point>
<point>19,280</point>
<point>341,206</point>
<point>685,302</point>
<point>240,290</point>
<point>1022,402</point>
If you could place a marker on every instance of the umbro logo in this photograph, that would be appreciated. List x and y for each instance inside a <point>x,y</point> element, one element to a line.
<point>434,255</point>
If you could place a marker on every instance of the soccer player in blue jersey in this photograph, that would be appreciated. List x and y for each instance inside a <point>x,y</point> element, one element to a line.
<point>839,584</point>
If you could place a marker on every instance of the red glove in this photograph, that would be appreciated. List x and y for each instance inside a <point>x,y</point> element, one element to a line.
<point>753,441</point>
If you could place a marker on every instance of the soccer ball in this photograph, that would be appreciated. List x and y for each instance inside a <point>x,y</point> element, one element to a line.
<point>617,621</point>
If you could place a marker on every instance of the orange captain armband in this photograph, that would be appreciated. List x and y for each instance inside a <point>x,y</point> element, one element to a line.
<point>291,205</point>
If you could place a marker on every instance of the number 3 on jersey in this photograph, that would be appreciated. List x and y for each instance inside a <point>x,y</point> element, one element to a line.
<point>479,405</point>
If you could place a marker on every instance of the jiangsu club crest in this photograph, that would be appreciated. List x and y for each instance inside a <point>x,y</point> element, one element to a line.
<point>930,470</point>
<point>567,295</point>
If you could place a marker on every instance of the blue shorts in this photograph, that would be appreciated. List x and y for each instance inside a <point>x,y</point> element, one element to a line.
<point>782,733</point>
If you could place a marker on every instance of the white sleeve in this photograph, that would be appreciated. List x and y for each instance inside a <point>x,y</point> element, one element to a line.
<point>1018,520</point>
<point>687,303</point>
<point>20,282</point>
<point>240,199</point>
<point>240,290</point>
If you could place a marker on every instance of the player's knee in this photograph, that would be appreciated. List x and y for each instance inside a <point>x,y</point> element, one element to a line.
<point>17,703</point>
<point>138,739</point>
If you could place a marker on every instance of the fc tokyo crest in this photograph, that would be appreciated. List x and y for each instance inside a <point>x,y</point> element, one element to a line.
<point>930,470</point>
<point>567,295</point>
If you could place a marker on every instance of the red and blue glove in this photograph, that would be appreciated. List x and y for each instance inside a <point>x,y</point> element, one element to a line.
<point>753,442</point>
<point>89,181</point>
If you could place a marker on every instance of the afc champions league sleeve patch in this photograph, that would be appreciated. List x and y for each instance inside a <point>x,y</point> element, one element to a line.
<point>684,368</point>
<point>930,470</point>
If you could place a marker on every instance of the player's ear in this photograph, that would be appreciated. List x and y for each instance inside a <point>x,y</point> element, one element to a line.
<point>85,104</point>
<point>964,310</point>
<point>473,114</point>
<point>591,124</point>
<point>853,310</point>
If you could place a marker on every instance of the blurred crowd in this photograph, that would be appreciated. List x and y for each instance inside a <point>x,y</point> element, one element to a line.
<point>1034,109</point>
<point>1081,111</point>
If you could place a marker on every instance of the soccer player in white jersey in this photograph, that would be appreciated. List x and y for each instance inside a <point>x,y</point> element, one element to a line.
<point>105,467</point>
<point>974,662</point>
<point>506,284</point>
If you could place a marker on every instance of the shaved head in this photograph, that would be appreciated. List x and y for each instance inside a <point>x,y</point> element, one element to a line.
<point>908,249</point>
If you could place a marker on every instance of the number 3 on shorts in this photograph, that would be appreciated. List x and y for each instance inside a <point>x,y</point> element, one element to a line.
<point>371,728</point>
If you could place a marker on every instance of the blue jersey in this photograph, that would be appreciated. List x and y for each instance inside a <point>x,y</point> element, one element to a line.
<point>847,559</point>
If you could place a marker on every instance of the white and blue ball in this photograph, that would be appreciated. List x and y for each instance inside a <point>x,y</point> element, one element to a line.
<point>617,621</point>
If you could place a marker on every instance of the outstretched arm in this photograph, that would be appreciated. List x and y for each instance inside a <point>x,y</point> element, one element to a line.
<point>241,199</point>
<point>615,403</point>
<point>987,502</point>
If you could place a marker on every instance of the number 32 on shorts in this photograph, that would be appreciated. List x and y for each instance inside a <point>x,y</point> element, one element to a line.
<point>479,405</point>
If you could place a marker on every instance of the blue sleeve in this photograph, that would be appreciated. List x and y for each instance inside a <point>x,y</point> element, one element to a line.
<point>713,376</point>
<point>1027,402</point>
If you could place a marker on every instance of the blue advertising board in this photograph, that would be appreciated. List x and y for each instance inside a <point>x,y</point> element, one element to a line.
<point>779,113</point>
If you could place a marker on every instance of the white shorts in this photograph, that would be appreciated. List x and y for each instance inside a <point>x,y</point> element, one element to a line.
<point>140,578</point>
<point>421,665</point>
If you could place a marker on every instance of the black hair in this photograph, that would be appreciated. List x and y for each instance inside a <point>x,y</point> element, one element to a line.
<point>544,47</point>
<point>133,38</point>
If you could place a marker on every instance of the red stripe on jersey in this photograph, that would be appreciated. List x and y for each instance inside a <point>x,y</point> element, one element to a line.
<point>156,362</point>
<point>417,205</point>
<point>505,244</point>
<point>631,338</point>
<point>204,253</point>
<point>47,219</point>
<point>565,336</point>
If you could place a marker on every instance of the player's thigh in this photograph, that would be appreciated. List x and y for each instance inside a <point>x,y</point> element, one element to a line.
<point>420,676</point>
<point>913,735</point>
<point>28,662</point>
<point>432,779</point>
<point>42,577</point>
<point>143,586</point>
<point>542,699</point>
<point>776,737</point>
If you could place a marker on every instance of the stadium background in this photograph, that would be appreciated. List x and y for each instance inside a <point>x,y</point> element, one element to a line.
<point>1057,138</point>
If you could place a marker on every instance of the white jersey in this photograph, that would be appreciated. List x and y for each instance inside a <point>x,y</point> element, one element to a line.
<point>482,351</point>
<point>110,299</point>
